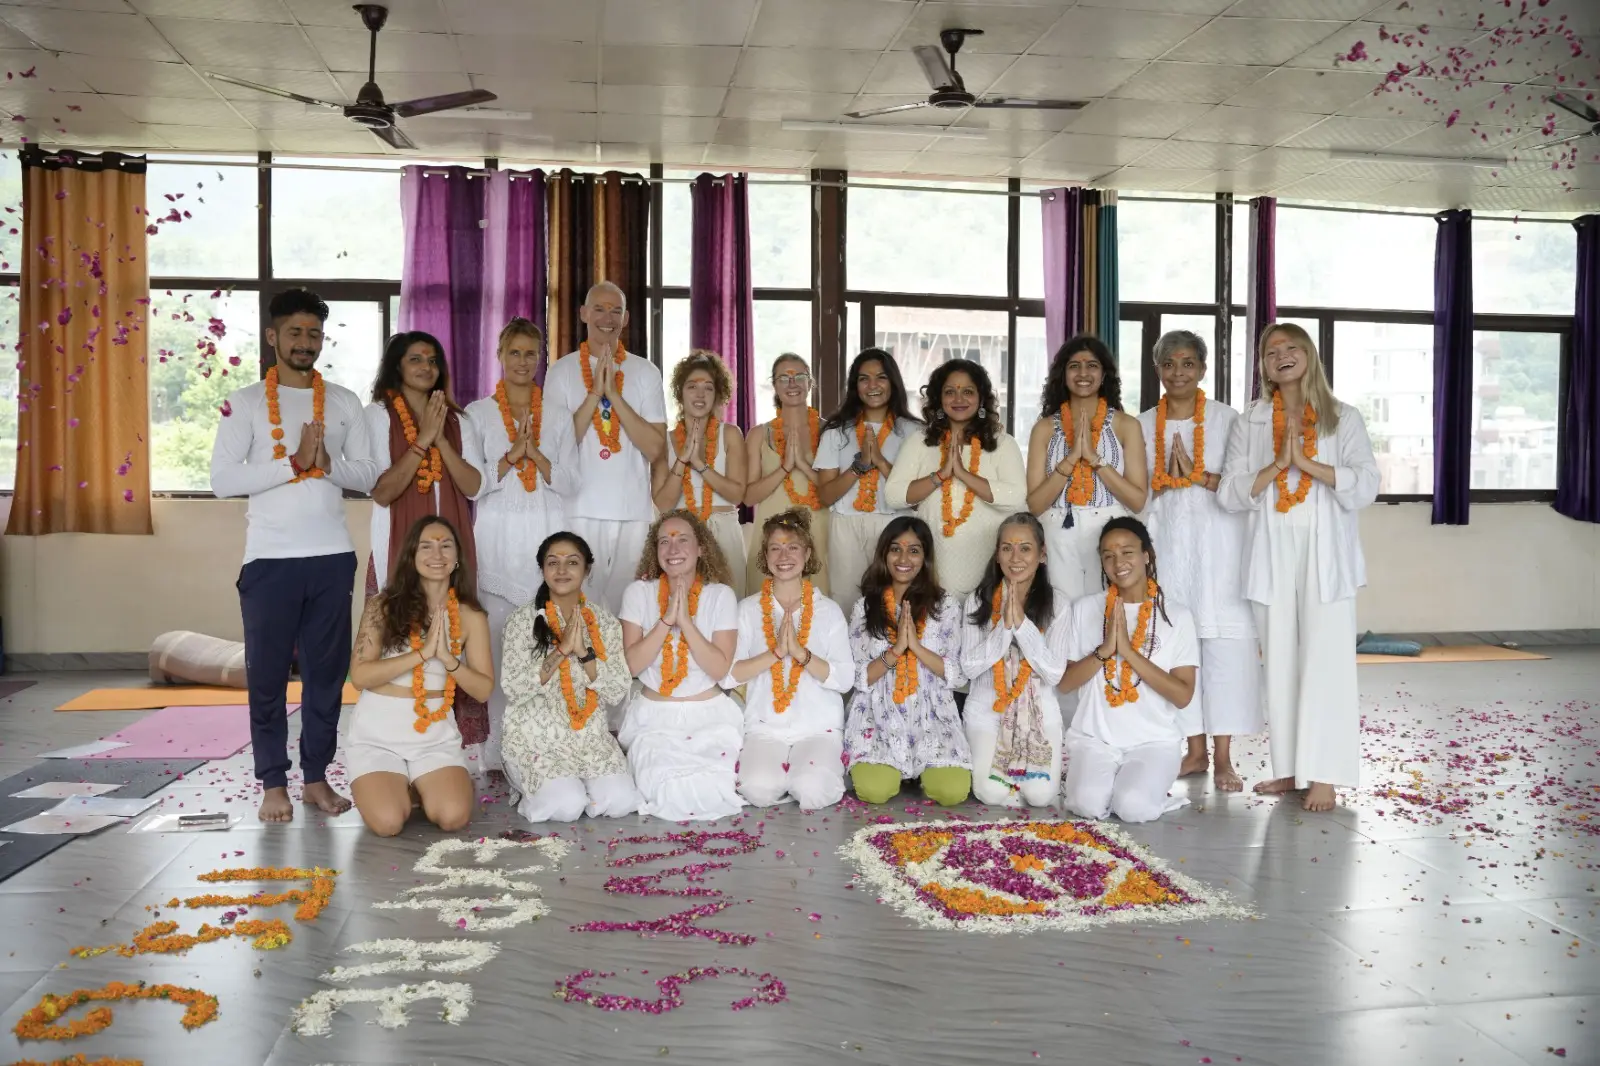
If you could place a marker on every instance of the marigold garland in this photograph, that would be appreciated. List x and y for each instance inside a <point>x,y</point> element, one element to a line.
<point>680,438</point>
<point>905,664</point>
<point>1004,695</point>
<point>162,938</point>
<point>1308,447</point>
<point>867,485</point>
<point>79,1060</point>
<point>527,469</point>
<point>1127,691</point>
<point>419,683</point>
<point>1080,491</point>
<point>607,426</point>
<point>1160,479</point>
<point>431,470</point>
<point>783,694</point>
<point>275,418</point>
<point>779,444</point>
<point>675,661</point>
<point>974,901</point>
<point>312,900</point>
<point>577,713</point>
<point>39,1023</point>
<point>947,489</point>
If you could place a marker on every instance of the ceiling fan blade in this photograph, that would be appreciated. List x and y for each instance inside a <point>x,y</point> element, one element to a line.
<point>285,93</point>
<point>1032,105</point>
<point>874,111</point>
<point>427,105</point>
<point>935,66</point>
<point>483,114</point>
<point>1558,142</point>
<point>393,136</point>
<point>1568,102</point>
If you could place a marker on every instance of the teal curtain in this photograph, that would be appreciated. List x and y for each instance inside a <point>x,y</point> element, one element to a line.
<point>1107,296</point>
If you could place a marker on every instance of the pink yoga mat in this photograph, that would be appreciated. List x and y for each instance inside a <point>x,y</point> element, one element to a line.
<point>186,733</point>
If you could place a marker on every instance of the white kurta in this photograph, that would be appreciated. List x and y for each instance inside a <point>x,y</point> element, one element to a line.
<point>724,520</point>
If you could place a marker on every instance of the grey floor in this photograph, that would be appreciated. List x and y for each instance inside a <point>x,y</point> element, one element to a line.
<point>1454,922</point>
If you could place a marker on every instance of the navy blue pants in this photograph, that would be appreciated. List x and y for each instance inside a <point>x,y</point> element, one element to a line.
<point>296,608</point>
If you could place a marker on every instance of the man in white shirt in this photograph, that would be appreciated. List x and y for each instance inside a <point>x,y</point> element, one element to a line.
<point>292,456</point>
<point>619,421</point>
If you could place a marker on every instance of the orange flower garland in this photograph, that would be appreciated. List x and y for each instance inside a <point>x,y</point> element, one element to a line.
<point>867,486</point>
<point>577,714</point>
<point>79,1060</point>
<point>1308,447</point>
<point>905,666</point>
<point>527,469</point>
<point>312,901</point>
<point>675,663</point>
<point>1005,696</point>
<point>1126,691</point>
<point>607,427</point>
<point>40,1022</point>
<point>953,521</point>
<point>974,901</point>
<point>783,694</point>
<point>1163,480</point>
<point>431,470</point>
<point>680,438</point>
<point>419,684</point>
<point>275,418</point>
<point>1081,489</point>
<point>814,421</point>
<point>163,938</point>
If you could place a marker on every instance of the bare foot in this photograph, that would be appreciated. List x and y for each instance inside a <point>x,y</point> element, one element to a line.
<point>1194,764</point>
<point>1274,787</point>
<point>1320,797</point>
<point>275,806</point>
<point>1227,779</point>
<point>325,799</point>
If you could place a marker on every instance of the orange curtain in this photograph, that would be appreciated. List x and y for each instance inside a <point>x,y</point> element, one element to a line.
<point>599,230</point>
<point>1091,251</point>
<point>84,411</point>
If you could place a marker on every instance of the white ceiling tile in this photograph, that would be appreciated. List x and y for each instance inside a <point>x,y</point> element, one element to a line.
<point>1104,32</point>
<point>304,142</point>
<point>749,134</point>
<point>661,100</point>
<point>1356,133</point>
<point>130,136</point>
<point>833,70</point>
<point>1052,171</point>
<point>723,155</point>
<point>1197,155</point>
<point>1333,51</point>
<point>831,23</point>
<point>639,156</point>
<point>217,45</point>
<point>221,140</point>
<point>519,94</point>
<point>657,129</point>
<point>1331,187</point>
<point>1153,179</point>
<point>398,87</point>
<point>138,77</point>
<point>552,20</point>
<point>400,53</point>
<point>74,5</point>
<point>1248,125</point>
<point>944,165</point>
<point>899,72</point>
<point>550,125</point>
<point>1013,118</point>
<point>1072,78</point>
<point>1458,13</point>
<point>1082,148</point>
<point>771,104</point>
<point>519,57</point>
<point>1457,140</point>
<point>1343,10</point>
<point>1006,30</point>
<point>227,10</point>
<point>125,36</point>
<point>10,38</point>
<point>1252,41</point>
<point>1201,83</point>
<point>1322,92</point>
<point>1436,98</point>
<point>866,161</point>
<point>1135,118</point>
<point>1226,181</point>
<point>1004,143</point>
<point>178,111</point>
<point>1286,162</point>
<point>56,109</point>
<point>318,86</point>
<point>1184,7</point>
<point>405,16</point>
<point>648,65</point>
<point>49,73</point>
<point>270,113</point>
<point>832,144</point>
<point>677,21</point>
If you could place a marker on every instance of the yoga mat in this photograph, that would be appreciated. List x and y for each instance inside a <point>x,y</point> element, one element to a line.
<point>185,733</point>
<point>11,688</point>
<point>1457,653</point>
<point>154,697</point>
<point>134,778</point>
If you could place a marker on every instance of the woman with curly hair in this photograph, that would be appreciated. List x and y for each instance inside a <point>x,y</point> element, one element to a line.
<point>779,458</point>
<point>793,657</point>
<point>963,474</point>
<point>680,622</point>
<point>564,663</point>
<point>1085,461</point>
<point>703,470</point>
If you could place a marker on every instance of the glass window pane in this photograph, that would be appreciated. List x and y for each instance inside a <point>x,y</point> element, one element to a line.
<point>926,241</point>
<point>1130,349</point>
<point>1524,268</point>
<point>1203,325</point>
<point>1514,418</point>
<point>780,233</point>
<point>1033,363</point>
<point>1166,251</point>
<point>674,346</point>
<point>11,219</point>
<point>353,343</point>
<point>1030,252</point>
<point>1386,373</point>
<point>336,224</point>
<point>206,219</point>
<point>922,337</point>
<point>1354,259</point>
<point>1239,361</point>
<point>1241,252</point>
<point>677,224</point>
<point>780,326</point>
<point>10,345</point>
<point>188,383</point>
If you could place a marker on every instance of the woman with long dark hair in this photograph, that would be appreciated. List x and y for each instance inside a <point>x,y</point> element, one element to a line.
<point>1126,738</point>
<point>963,475</point>
<point>905,635</point>
<point>1085,461</point>
<point>780,458</point>
<point>564,665</point>
<point>1013,651</point>
<point>860,443</point>
<point>423,643</point>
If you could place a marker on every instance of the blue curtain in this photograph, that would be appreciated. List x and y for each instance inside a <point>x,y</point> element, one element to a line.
<point>1107,295</point>
<point>1578,448</point>
<point>1452,367</point>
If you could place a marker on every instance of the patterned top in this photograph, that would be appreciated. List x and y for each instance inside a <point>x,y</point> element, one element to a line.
<point>925,732</point>
<point>1110,452</point>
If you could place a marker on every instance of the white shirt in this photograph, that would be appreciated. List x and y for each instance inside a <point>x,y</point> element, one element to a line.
<point>983,646</point>
<point>1150,719</point>
<point>616,488</point>
<point>1341,568</point>
<point>305,518</point>
<point>817,706</point>
<point>718,613</point>
<point>837,451</point>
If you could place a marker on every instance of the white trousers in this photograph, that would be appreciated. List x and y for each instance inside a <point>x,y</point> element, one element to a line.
<point>982,730</point>
<point>1227,691</point>
<point>852,539</point>
<point>566,799</point>
<point>810,771</point>
<point>499,611</point>
<point>1073,555</point>
<point>1130,783</point>
<point>729,535</point>
<point>617,547</point>
<point>1309,651</point>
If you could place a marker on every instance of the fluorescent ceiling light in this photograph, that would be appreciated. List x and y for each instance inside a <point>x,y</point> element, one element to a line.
<point>1342,155</point>
<point>805,125</point>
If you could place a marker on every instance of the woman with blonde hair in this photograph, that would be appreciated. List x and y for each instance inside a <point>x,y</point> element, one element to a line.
<point>1301,466</point>
<point>703,470</point>
<point>680,622</point>
<point>778,462</point>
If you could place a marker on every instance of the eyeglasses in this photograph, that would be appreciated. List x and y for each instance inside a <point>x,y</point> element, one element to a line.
<point>792,379</point>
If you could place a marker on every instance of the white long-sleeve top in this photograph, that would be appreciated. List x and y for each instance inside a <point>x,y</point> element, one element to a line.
<point>287,518</point>
<point>616,487</point>
<point>817,706</point>
<point>983,646</point>
<point>1341,568</point>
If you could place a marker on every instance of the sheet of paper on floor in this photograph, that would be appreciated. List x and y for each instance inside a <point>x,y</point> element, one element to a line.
<point>60,790</point>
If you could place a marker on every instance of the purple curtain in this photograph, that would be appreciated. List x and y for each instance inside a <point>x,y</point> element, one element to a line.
<point>1261,305</point>
<point>1061,211</point>
<point>720,295</point>
<point>1452,367</point>
<point>1578,448</point>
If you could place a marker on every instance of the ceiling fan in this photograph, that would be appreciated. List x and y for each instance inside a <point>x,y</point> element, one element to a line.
<point>950,92</point>
<point>1568,102</point>
<point>370,109</point>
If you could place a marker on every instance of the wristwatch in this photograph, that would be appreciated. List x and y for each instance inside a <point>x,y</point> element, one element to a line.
<point>586,658</point>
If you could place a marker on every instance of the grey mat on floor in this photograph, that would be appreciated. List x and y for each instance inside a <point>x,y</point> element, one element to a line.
<point>11,688</point>
<point>139,777</point>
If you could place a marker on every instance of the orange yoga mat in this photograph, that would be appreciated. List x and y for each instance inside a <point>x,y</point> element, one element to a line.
<point>153,697</point>
<point>1457,653</point>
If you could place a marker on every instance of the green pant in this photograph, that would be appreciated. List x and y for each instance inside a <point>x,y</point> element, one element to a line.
<point>945,785</point>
